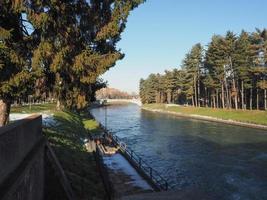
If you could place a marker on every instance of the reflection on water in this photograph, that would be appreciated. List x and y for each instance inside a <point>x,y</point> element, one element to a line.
<point>224,161</point>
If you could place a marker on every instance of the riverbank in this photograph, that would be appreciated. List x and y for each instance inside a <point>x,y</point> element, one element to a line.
<point>246,118</point>
<point>66,132</point>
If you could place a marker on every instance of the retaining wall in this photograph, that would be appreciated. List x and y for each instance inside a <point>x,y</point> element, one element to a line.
<point>22,160</point>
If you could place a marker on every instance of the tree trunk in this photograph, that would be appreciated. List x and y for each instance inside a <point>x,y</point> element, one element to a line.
<point>213,97</point>
<point>217,98</point>
<point>257,99</point>
<point>193,104</point>
<point>230,98</point>
<point>234,85</point>
<point>250,98</point>
<point>4,112</point>
<point>265,100</point>
<point>198,91</point>
<point>222,97</point>
<point>58,105</point>
<point>168,97</point>
<point>206,97</point>
<point>227,94</point>
<point>242,94</point>
<point>195,91</point>
<point>235,94</point>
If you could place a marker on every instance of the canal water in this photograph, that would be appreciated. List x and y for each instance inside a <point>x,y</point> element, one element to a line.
<point>223,161</point>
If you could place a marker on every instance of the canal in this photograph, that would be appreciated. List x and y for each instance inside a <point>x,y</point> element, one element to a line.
<point>223,161</point>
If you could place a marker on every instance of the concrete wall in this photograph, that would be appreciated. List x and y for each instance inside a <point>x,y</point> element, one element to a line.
<point>22,160</point>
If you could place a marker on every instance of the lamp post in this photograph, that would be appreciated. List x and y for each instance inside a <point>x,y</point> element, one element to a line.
<point>106,117</point>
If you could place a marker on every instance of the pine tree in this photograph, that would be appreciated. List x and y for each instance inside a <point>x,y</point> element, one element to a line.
<point>243,64</point>
<point>169,85</point>
<point>17,75</point>
<point>192,64</point>
<point>216,65</point>
<point>65,45</point>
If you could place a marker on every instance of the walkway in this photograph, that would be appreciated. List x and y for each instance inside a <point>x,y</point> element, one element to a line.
<point>124,178</point>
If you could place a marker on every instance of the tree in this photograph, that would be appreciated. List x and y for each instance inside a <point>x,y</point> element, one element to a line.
<point>233,74</point>
<point>17,74</point>
<point>64,45</point>
<point>216,65</point>
<point>83,40</point>
<point>243,64</point>
<point>149,89</point>
<point>169,85</point>
<point>192,64</point>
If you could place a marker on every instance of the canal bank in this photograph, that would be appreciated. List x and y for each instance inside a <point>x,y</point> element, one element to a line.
<point>128,173</point>
<point>165,110</point>
<point>220,160</point>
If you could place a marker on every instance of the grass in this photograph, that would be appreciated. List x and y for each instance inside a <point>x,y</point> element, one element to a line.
<point>248,116</point>
<point>34,108</point>
<point>66,138</point>
<point>92,126</point>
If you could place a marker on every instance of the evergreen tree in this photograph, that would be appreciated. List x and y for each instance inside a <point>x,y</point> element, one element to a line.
<point>17,75</point>
<point>64,45</point>
<point>233,74</point>
<point>243,64</point>
<point>192,64</point>
<point>81,46</point>
<point>216,65</point>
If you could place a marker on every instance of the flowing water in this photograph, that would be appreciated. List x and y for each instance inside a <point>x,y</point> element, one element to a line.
<point>223,161</point>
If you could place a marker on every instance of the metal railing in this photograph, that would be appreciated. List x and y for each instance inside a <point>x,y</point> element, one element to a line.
<point>148,172</point>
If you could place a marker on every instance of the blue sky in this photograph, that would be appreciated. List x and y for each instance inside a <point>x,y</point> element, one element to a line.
<point>160,32</point>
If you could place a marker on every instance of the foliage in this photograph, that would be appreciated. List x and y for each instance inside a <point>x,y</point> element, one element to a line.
<point>58,48</point>
<point>230,73</point>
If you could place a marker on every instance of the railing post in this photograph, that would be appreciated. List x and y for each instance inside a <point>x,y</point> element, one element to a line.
<point>131,154</point>
<point>150,172</point>
<point>140,162</point>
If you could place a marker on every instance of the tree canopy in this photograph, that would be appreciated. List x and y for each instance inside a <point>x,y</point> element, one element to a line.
<point>230,73</point>
<point>58,47</point>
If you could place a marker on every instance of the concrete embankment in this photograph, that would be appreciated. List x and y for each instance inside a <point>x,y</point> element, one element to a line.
<point>208,118</point>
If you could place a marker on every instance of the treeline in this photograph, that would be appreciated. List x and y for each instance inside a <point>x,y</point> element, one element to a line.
<point>231,72</point>
<point>58,49</point>
<point>112,93</point>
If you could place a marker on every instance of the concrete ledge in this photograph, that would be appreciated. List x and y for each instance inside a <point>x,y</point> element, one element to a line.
<point>208,118</point>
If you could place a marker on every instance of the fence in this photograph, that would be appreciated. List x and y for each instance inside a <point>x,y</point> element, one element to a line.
<point>151,175</point>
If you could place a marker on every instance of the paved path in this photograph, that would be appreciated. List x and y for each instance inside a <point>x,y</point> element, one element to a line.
<point>124,178</point>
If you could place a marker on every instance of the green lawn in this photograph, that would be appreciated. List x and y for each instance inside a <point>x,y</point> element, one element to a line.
<point>34,108</point>
<point>66,139</point>
<point>250,116</point>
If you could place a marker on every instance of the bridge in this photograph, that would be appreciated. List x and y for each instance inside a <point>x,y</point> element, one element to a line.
<point>134,101</point>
